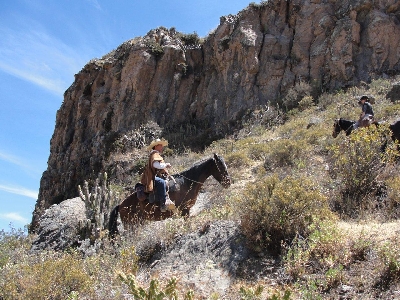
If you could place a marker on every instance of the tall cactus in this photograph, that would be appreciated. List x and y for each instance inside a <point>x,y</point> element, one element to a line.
<point>99,203</point>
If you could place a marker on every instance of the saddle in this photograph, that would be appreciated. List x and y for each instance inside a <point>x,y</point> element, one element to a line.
<point>172,186</point>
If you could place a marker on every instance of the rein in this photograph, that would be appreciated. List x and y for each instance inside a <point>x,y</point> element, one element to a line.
<point>191,179</point>
<point>350,127</point>
<point>199,181</point>
<point>194,181</point>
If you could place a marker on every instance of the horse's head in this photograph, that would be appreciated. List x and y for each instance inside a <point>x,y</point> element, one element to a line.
<point>336,128</point>
<point>221,171</point>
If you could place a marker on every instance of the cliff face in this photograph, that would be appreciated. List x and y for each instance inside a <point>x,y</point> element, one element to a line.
<point>253,58</point>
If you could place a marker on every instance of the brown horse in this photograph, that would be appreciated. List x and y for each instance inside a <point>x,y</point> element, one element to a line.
<point>184,193</point>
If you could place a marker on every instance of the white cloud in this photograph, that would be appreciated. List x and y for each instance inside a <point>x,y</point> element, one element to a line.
<point>19,191</point>
<point>12,159</point>
<point>31,54</point>
<point>19,162</point>
<point>95,3</point>
<point>55,86</point>
<point>14,217</point>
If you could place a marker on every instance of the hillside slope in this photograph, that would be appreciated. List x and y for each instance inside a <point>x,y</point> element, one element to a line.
<point>193,91</point>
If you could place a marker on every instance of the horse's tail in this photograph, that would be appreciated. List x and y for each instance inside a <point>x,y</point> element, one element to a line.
<point>112,223</point>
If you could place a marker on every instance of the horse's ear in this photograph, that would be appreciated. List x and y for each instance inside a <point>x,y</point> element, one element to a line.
<point>215,156</point>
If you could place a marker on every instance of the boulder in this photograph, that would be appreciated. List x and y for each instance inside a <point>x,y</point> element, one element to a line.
<point>394,94</point>
<point>59,226</point>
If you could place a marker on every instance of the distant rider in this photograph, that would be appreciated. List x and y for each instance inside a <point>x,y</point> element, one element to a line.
<point>367,113</point>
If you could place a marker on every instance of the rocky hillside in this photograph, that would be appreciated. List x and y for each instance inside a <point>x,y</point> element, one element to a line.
<point>195,90</point>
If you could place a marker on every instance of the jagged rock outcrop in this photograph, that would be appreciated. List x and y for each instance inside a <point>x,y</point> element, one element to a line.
<point>194,88</point>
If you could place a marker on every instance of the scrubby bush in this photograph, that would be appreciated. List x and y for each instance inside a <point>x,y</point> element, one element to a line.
<point>393,196</point>
<point>389,253</point>
<point>154,291</point>
<point>306,102</point>
<point>73,274</point>
<point>357,161</point>
<point>285,152</point>
<point>190,39</point>
<point>155,48</point>
<point>323,249</point>
<point>275,211</point>
<point>251,293</point>
<point>12,241</point>
<point>295,95</point>
<point>258,151</point>
<point>45,278</point>
<point>237,159</point>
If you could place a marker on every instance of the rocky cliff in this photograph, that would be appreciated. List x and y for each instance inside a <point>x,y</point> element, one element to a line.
<point>171,83</point>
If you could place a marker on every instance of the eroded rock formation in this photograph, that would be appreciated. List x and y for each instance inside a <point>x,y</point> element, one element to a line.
<point>253,58</point>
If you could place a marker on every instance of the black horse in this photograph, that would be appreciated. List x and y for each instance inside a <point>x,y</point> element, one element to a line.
<point>395,128</point>
<point>184,194</point>
<point>347,126</point>
<point>341,124</point>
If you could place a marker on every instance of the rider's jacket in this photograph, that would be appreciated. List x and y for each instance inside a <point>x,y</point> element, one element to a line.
<point>150,171</point>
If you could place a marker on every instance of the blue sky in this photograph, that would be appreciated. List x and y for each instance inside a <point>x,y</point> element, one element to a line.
<point>43,44</point>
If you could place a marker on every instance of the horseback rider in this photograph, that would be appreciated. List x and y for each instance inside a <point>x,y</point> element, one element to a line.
<point>367,113</point>
<point>155,175</point>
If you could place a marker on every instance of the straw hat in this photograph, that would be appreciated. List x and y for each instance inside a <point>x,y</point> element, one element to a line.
<point>157,142</point>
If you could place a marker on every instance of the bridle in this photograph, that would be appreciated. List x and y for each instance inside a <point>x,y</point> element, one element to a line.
<point>225,178</point>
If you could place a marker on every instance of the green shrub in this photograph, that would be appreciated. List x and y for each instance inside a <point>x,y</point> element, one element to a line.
<point>10,242</point>
<point>48,279</point>
<point>278,296</point>
<point>190,39</point>
<point>155,48</point>
<point>237,159</point>
<point>323,249</point>
<point>154,292</point>
<point>360,247</point>
<point>258,151</point>
<point>295,94</point>
<point>333,277</point>
<point>285,152</point>
<point>251,293</point>
<point>391,110</point>
<point>389,253</point>
<point>393,197</point>
<point>275,211</point>
<point>380,86</point>
<point>306,102</point>
<point>357,161</point>
<point>129,260</point>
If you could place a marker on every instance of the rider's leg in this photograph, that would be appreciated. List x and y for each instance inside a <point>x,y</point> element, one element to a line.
<point>160,189</point>
<point>162,195</point>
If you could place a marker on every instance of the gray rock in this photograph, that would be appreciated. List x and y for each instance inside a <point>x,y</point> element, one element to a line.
<point>209,259</point>
<point>394,94</point>
<point>59,225</point>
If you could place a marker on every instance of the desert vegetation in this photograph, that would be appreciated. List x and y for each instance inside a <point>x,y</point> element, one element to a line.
<point>324,209</point>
